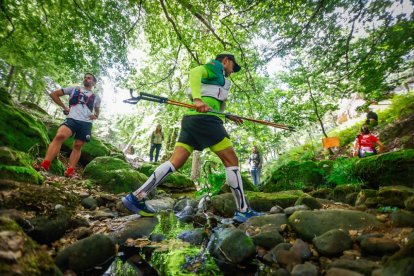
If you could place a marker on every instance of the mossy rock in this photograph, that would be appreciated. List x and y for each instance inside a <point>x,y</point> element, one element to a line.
<point>248,183</point>
<point>293,175</point>
<point>17,166</point>
<point>392,168</point>
<point>340,192</point>
<point>401,263</point>
<point>394,195</point>
<point>325,193</point>
<point>5,97</point>
<point>21,131</point>
<point>34,108</point>
<point>309,201</point>
<point>364,194</point>
<point>147,168</point>
<point>39,199</point>
<point>113,174</point>
<point>409,203</point>
<point>263,202</point>
<point>23,254</point>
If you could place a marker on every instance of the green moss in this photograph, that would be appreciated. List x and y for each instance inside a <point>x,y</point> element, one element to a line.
<point>21,174</point>
<point>293,175</point>
<point>265,201</point>
<point>34,108</point>
<point>342,172</point>
<point>113,174</point>
<point>20,130</point>
<point>392,168</point>
<point>33,260</point>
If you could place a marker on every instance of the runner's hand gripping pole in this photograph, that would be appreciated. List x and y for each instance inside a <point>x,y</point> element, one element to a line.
<point>159,99</point>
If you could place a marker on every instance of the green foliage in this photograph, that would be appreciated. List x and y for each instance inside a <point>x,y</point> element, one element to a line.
<point>343,172</point>
<point>387,209</point>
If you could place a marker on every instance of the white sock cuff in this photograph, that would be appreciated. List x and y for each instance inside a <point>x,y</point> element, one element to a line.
<point>170,164</point>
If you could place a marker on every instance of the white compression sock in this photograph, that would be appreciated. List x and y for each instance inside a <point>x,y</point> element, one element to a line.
<point>234,180</point>
<point>156,178</point>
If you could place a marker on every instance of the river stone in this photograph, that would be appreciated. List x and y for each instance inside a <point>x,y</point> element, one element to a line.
<point>394,195</point>
<point>364,194</point>
<point>309,201</point>
<point>378,246</point>
<point>89,203</point>
<point>362,266</point>
<point>290,210</point>
<point>287,259</point>
<point>409,203</point>
<point>306,269</point>
<point>84,255</point>
<point>341,272</point>
<point>402,218</point>
<point>362,237</point>
<point>275,219</point>
<point>401,263</point>
<point>194,237</point>
<point>135,228</point>
<point>310,224</point>
<point>231,245</point>
<point>281,246</point>
<point>161,204</point>
<point>183,202</point>
<point>332,242</point>
<point>340,192</point>
<point>301,249</point>
<point>268,239</point>
<point>47,230</point>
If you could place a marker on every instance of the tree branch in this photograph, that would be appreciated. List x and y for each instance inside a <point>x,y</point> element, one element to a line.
<point>180,38</point>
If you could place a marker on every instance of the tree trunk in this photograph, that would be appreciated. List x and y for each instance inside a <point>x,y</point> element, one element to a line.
<point>10,77</point>
<point>196,165</point>
<point>126,148</point>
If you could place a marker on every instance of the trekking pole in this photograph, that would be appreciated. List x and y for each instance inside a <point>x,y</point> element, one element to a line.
<point>159,99</point>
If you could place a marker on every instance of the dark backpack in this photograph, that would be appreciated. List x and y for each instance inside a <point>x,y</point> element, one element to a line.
<point>75,99</point>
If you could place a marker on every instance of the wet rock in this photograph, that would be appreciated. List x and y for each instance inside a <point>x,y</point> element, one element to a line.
<point>341,272</point>
<point>76,222</point>
<point>280,246</point>
<point>135,227</point>
<point>394,195</point>
<point>182,203</point>
<point>103,214</point>
<point>84,255</point>
<point>47,230</point>
<point>194,237</point>
<point>409,203</point>
<point>224,205</point>
<point>333,242</point>
<point>378,246</point>
<point>401,263</point>
<point>161,204</point>
<point>276,210</point>
<point>82,232</point>
<point>156,237</point>
<point>309,224</point>
<point>20,255</point>
<point>362,266</point>
<point>281,272</point>
<point>364,194</point>
<point>402,218</point>
<point>362,237</point>
<point>231,245</point>
<point>89,203</point>
<point>351,198</point>
<point>306,269</point>
<point>309,201</point>
<point>290,210</point>
<point>301,249</point>
<point>276,219</point>
<point>268,239</point>
<point>325,193</point>
<point>287,259</point>
<point>186,214</point>
<point>340,192</point>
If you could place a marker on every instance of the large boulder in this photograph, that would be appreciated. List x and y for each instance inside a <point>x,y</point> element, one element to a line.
<point>310,224</point>
<point>86,254</point>
<point>391,168</point>
<point>20,255</point>
<point>394,195</point>
<point>17,166</point>
<point>401,263</point>
<point>293,175</point>
<point>231,245</point>
<point>113,174</point>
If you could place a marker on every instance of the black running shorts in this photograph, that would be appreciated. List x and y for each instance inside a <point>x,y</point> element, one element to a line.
<point>202,131</point>
<point>81,130</point>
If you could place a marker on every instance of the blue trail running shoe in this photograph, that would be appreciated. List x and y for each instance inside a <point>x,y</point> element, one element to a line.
<point>137,206</point>
<point>244,216</point>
